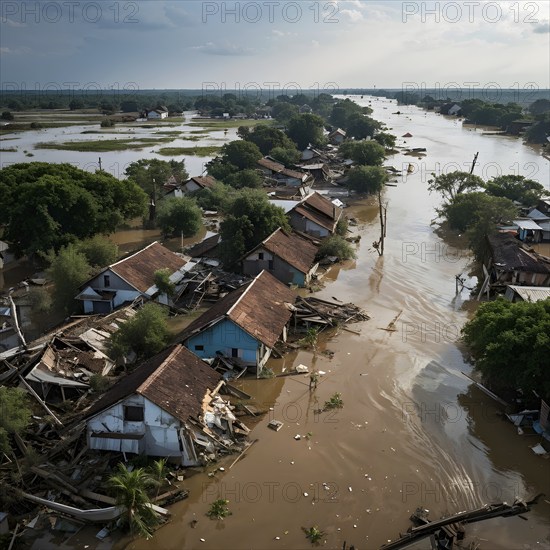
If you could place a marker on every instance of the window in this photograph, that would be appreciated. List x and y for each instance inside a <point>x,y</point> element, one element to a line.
<point>133,413</point>
<point>260,255</point>
<point>106,281</point>
<point>199,348</point>
<point>270,265</point>
<point>234,352</point>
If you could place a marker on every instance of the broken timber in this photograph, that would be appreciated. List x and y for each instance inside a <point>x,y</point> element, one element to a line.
<point>486,512</point>
<point>323,312</point>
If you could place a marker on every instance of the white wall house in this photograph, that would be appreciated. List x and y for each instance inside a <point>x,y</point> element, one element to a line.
<point>149,411</point>
<point>132,278</point>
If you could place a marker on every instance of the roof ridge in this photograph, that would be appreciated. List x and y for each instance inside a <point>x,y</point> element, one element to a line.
<point>243,294</point>
<point>134,254</point>
<point>150,379</point>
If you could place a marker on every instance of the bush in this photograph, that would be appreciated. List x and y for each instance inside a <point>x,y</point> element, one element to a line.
<point>15,414</point>
<point>335,246</point>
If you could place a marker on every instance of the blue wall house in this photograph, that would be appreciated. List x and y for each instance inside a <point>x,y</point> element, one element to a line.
<point>287,256</point>
<point>132,278</point>
<point>245,324</point>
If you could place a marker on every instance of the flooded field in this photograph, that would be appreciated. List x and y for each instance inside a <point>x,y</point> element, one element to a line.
<point>413,430</point>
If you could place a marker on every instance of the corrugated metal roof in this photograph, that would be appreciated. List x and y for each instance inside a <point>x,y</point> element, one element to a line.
<point>527,224</point>
<point>531,293</point>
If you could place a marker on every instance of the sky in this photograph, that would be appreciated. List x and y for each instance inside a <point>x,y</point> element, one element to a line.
<point>328,45</point>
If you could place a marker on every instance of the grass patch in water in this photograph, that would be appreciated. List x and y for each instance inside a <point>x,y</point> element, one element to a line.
<point>105,145</point>
<point>206,151</point>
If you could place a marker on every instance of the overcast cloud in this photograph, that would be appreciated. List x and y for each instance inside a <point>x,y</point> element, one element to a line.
<point>183,44</point>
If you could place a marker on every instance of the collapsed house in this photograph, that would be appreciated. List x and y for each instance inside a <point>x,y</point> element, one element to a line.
<point>507,262</point>
<point>245,325</point>
<point>169,406</point>
<point>280,175</point>
<point>65,369</point>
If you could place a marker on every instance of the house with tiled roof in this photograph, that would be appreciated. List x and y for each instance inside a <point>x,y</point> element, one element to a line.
<point>132,278</point>
<point>168,406</point>
<point>245,325</point>
<point>287,256</point>
<point>282,175</point>
<point>337,137</point>
<point>195,183</point>
<point>315,215</point>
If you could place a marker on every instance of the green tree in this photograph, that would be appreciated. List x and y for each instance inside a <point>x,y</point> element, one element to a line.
<point>305,129</point>
<point>540,130</point>
<point>216,197</point>
<point>15,414</point>
<point>510,343</point>
<point>43,205</point>
<point>163,282</point>
<point>266,137</point>
<point>179,216</point>
<point>385,139</point>
<point>68,270</point>
<point>285,156</point>
<point>7,115</point>
<point>363,152</point>
<point>361,127</point>
<point>244,178</point>
<point>240,154</point>
<point>146,333</point>
<point>152,174</point>
<point>516,188</point>
<point>130,490</point>
<point>477,213</point>
<point>539,107</point>
<point>283,111</point>
<point>454,183</point>
<point>99,251</point>
<point>337,246</point>
<point>249,219</point>
<point>367,179</point>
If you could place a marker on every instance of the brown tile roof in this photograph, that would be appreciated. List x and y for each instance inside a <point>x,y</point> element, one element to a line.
<point>271,165</point>
<point>292,248</point>
<point>207,245</point>
<point>258,308</point>
<point>206,182</point>
<point>139,268</point>
<point>320,210</point>
<point>509,255</point>
<point>176,380</point>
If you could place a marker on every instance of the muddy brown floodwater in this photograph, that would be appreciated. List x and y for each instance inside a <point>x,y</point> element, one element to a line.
<point>413,431</point>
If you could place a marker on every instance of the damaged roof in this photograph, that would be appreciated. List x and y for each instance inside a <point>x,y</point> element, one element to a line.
<point>320,210</point>
<point>206,182</point>
<point>297,251</point>
<point>257,307</point>
<point>207,245</point>
<point>509,255</point>
<point>176,380</point>
<point>139,268</point>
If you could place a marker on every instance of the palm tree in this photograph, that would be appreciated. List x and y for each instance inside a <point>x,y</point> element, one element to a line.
<point>158,472</point>
<point>131,493</point>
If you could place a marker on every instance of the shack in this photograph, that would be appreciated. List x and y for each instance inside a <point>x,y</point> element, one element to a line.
<point>315,215</point>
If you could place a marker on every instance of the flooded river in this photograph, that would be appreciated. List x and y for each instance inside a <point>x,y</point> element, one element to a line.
<point>413,431</point>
